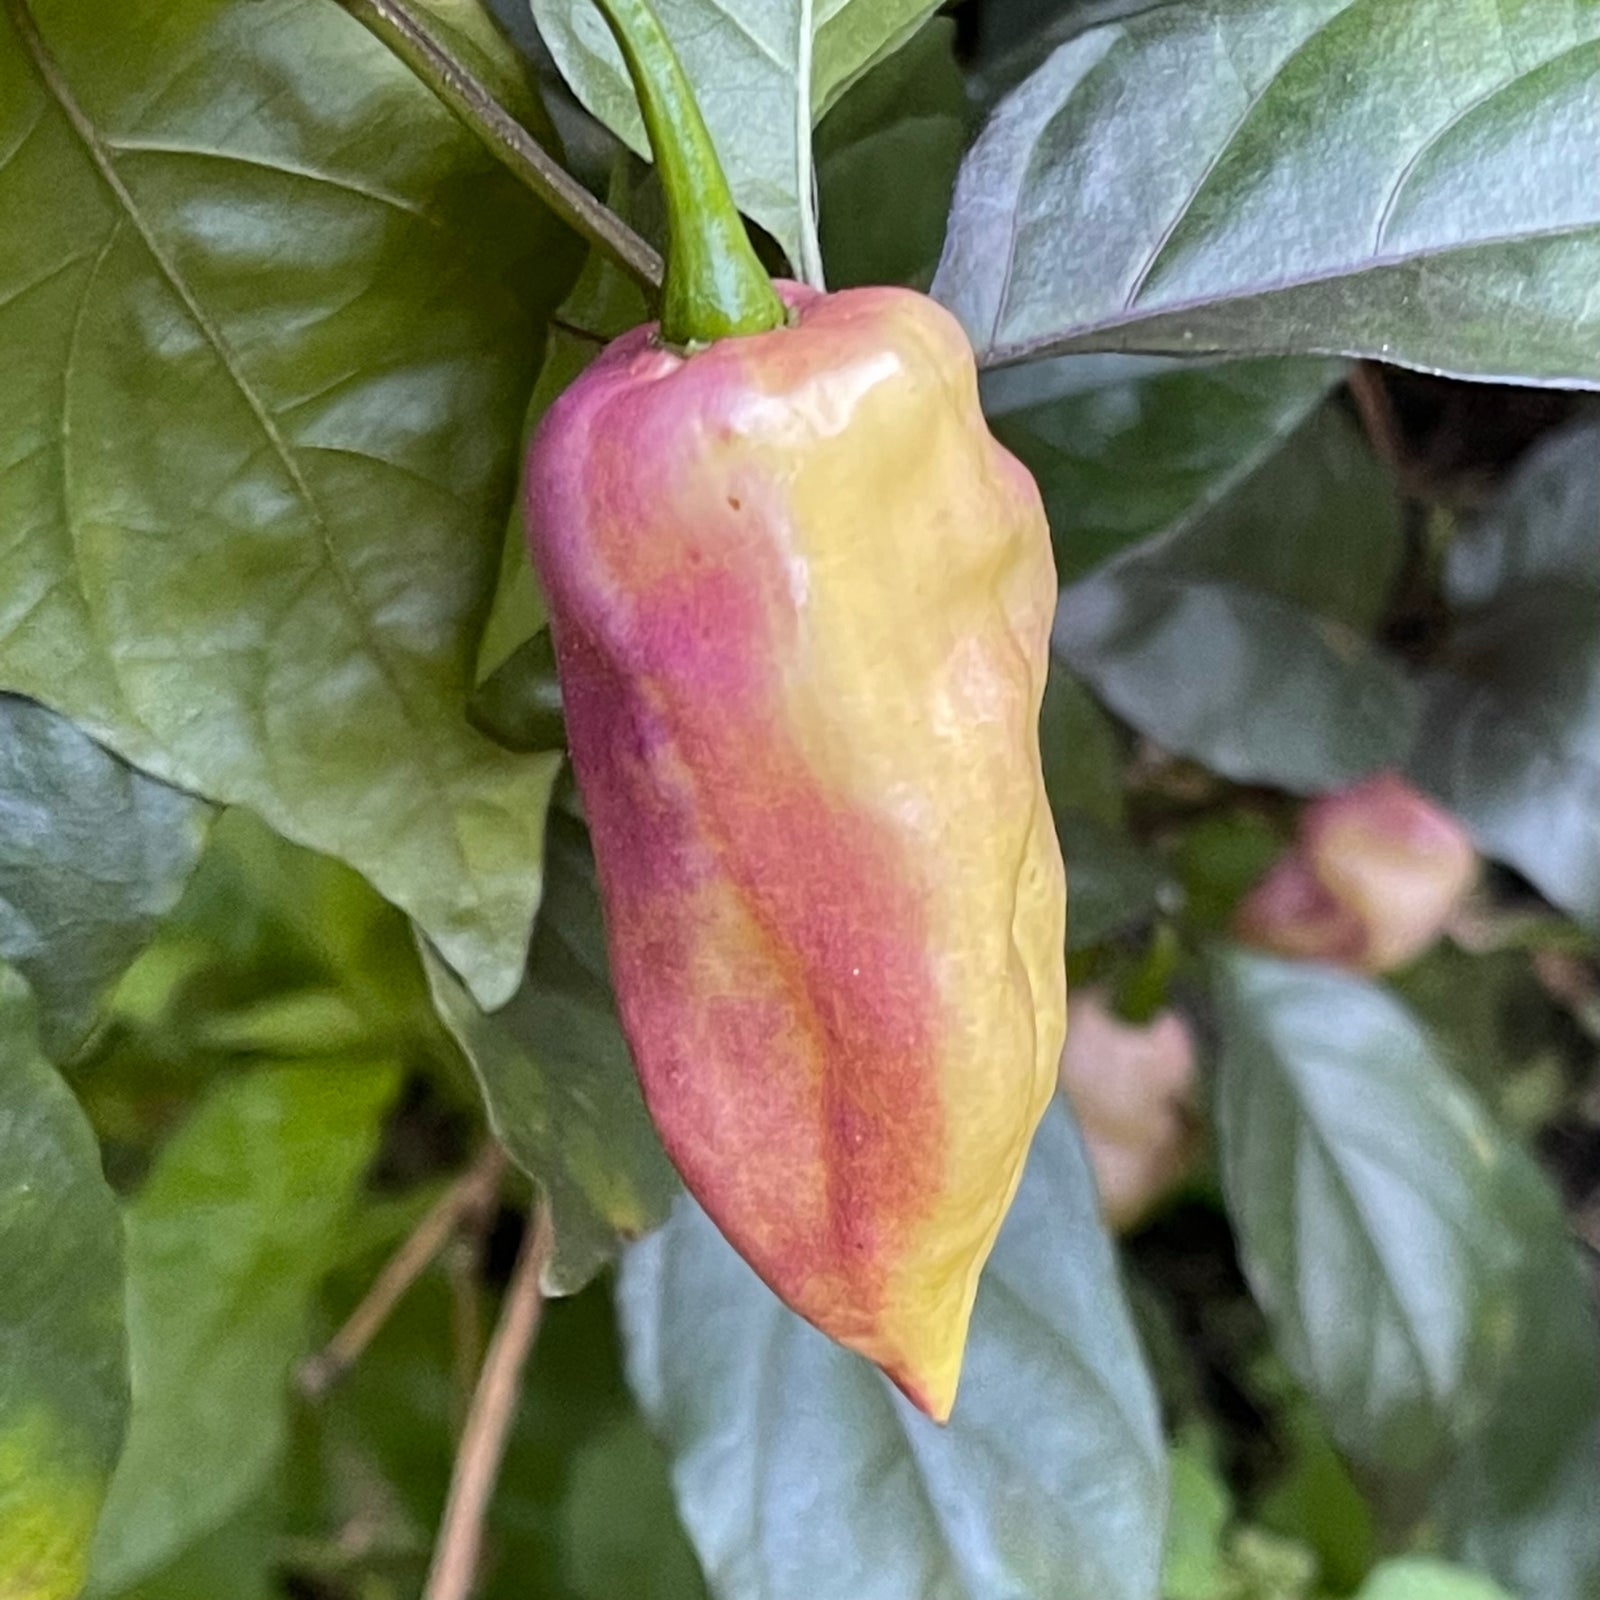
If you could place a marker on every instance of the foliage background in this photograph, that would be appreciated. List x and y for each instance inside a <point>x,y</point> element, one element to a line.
<point>281,793</point>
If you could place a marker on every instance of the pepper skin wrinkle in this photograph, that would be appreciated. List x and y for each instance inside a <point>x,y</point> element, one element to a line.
<point>801,604</point>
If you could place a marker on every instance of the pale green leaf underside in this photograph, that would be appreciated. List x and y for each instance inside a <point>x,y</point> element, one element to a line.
<point>747,61</point>
<point>1407,179</point>
<point>1415,1268</point>
<point>262,385</point>
<point>1049,1483</point>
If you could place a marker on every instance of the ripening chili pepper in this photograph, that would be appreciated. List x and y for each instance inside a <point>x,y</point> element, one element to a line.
<point>801,604</point>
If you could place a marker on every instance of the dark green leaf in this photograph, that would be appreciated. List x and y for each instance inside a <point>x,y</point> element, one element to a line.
<point>519,703</point>
<point>1313,1498</point>
<point>1128,447</point>
<point>1238,638</point>
<point>749,61</point>
<point>1415,1268</point>
<point>1049,1482</point>
<point>886,163</point>
<point>268,319</point>
<point>1220,858</point>
<point>227,1242</point>
<point>620,1531</point>
<point>557,1077</point>
<point>92,855</point>
<point>1396,178</point>
<point>1113,884</point>
<point>604,302</point>
<point>63,1353</point>
<point>1510,740</point>
<point>1078,745</point>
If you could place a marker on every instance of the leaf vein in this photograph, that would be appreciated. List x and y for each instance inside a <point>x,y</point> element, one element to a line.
<point>99,156</point>
<point>1445,129</point>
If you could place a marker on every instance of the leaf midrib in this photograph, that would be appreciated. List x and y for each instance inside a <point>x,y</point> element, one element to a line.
<point>1074,336</point>
<point>99,156</point>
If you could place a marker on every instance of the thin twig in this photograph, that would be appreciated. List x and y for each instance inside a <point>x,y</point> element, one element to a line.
<point>470,1194</point>
<point>1376,409</point>
<point>494,1403</point>
<point>463,1265</point>
<point>474,104</point>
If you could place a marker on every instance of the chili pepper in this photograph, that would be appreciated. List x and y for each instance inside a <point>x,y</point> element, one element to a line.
<point>801,604</point>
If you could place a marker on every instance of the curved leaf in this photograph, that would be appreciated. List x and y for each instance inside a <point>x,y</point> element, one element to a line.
<point>763,71</point>
<point>1397,178</point>
<point>63,1352</point>
<point>887,156</point>
<point>268,318</point>
<point>1126,448</point>
<point>92,855</point>
<point>1511,738</point>
<point>558,1079</point>
<point>1415,1268</point>
<point>227,1242</point>
<point>1048,1484</point>
<point>1239,637</point>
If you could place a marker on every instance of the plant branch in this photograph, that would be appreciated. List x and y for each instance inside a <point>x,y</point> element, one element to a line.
<point>494,1403</point>
<point>475,106</point>
<point>1376,410</point>
<point>472,1193</point>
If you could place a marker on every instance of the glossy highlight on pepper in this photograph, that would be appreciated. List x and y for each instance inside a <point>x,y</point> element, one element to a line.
<point>801,604</point>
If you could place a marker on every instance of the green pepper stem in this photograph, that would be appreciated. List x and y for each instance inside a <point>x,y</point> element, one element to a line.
<point>715,286</point>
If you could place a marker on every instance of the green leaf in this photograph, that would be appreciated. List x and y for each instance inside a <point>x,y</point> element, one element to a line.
<point>1078,747</point>
<point>1392,178</point>
<point>1221,857</point>
<point>1113,883</point>
<point>1510,739</point>
<point>1049,1482</point>
<point>749,62</point>
<point>604,302</point>
<point>1415,1269</point>
<point>1239,635</point>
<point>1417,1578</point>
<point>92,855</point>
<point>227,1243</point>
<point>887,156</point>
<point>239,1560</point>
<point>519,703</point>
<point>1125,448</point>
<point>557,1078</point>
<point>63,1353</point>
<point>1195,1566</point>
<point>472,33</point>
<point>620,1532</point>
<point>1313,1499</point>
<point>268,318</point>
<point>1519,1500</point>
